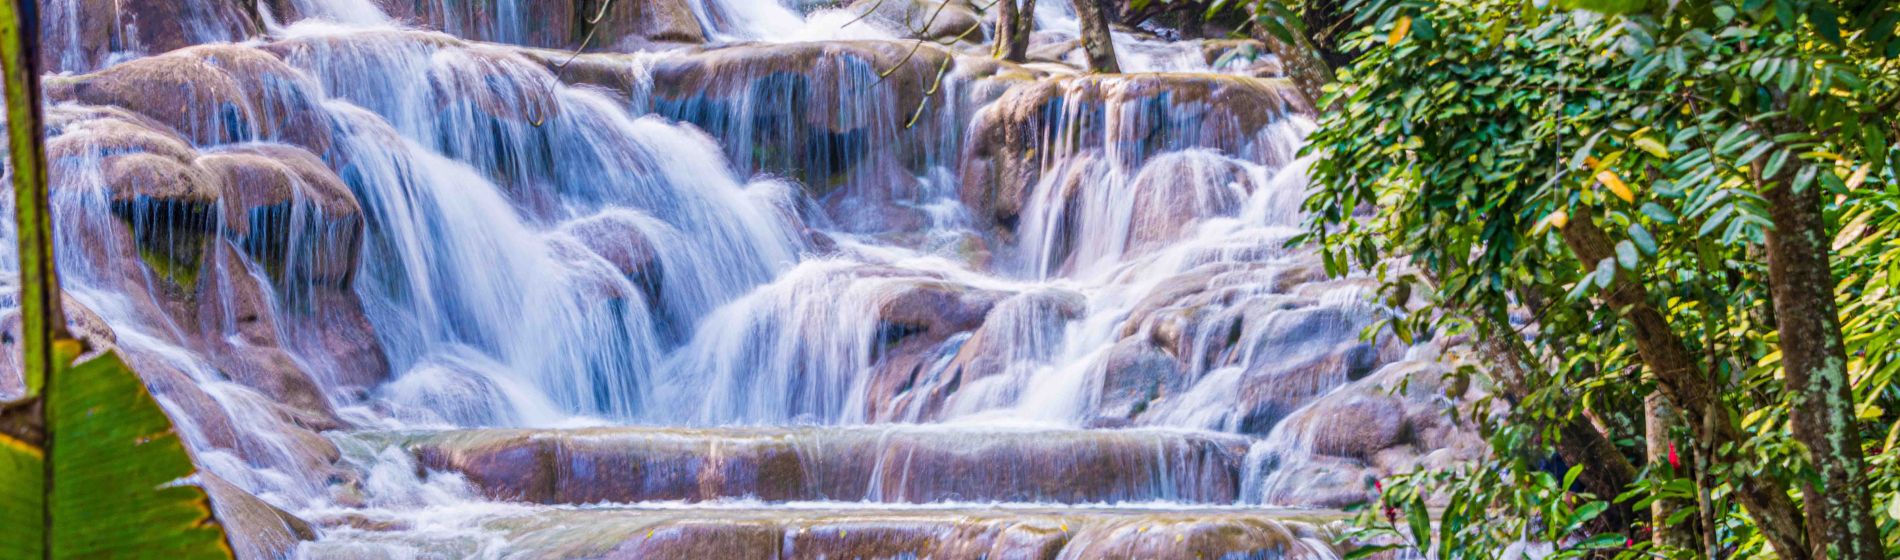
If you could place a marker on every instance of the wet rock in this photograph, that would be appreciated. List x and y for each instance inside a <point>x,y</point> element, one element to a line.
<point>240,333</point>
<point>1358,426</point>
<point>211,95</point>
<point>1248,56</point>
<point>619,239</point>
<point>1002,163</point>
<point>1134,375</point>
<point>941,21</point>
<point>257,529</point>
<point>1174,192</point>
<point>83,35</point>
<point>623,25</point>
<point>897,465</point>
<point>853,146</point>
<point>271,190</point>
<point>913,327</point>
<point>870,532</point>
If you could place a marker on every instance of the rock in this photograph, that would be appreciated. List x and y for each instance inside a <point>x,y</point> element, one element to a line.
<point>1249,56</point>
<point>256,528</point>
<point>624,25</point>
<point>624,465</point>
<point>1358,426</point>
<point>1134,374</point>
<point>1001,165</point>
<point>618,238</point>
<point>914,324</point>
<point>941,21</point>
<point>1175,191</point>
<point>239,333</point>
<point>871,532</point>
<point>266,190</point>
<point>853,146</point>
<point>86,34</point>
<point>216,94</point>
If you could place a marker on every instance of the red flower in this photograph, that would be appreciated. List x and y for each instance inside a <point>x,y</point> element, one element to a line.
<point>1376,486</point>
<point>1673,462</point>
<point>1629,541</point>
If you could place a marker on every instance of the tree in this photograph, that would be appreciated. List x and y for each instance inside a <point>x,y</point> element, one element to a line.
<point>1638,181</point>
<point>89,464</point>
<point>1096,39</point>
<point>1014,25</point>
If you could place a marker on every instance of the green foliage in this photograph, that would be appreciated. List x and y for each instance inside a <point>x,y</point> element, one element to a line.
<point>120,476</point>
<point>1477,129</point>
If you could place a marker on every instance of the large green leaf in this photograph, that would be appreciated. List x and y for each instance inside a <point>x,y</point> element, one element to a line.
<point>119,471</point>
<point>121,480</point>
<point>22,509</point>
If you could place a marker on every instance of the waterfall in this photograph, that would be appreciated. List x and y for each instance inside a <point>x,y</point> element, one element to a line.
<point>758,253</point>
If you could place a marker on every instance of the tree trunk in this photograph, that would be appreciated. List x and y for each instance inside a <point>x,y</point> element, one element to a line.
<point>1814,359</point>
<point>1659,421</point>
<point>1013,28</point>
<point>1607,472</point>
<point>1095,37</point>
<point>1692,393</point>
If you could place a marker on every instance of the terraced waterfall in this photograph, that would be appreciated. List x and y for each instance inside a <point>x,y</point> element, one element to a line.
<point>742,280</point>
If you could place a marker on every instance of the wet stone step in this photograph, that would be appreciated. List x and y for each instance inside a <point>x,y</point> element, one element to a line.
<point>888,465</point>
<point>840,531</point>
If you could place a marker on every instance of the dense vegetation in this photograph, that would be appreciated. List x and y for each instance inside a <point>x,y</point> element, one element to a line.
<point>1669,228</point>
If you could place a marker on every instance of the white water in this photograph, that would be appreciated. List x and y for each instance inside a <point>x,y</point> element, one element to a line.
<point>503,207</point>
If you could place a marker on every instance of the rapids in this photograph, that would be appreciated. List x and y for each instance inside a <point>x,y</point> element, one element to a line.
<point>415,279</point>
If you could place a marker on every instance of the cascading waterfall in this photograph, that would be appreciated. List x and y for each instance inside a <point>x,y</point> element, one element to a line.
<point>758,270</point>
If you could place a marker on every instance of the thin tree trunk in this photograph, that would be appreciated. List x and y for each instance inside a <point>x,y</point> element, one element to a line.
<point>1095,37</point>
<point>1659,421</point>
<point>1693,394</point>
<point>1013,28</point>
<point>1607,472</point>
<point>1814,359</point>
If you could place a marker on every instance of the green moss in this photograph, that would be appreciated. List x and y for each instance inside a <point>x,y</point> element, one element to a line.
<point>180,272</point>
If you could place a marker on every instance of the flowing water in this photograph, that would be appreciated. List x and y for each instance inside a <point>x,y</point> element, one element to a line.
<point>433,286</point>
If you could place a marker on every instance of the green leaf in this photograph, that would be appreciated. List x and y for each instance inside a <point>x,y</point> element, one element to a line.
<point>1653,146</point>
<point>21,483</point>
<point>1602,541</point>
<point>1642,239</point>
<point>1626,256</point>
<point>1659,213</point>
<point>1420,522</point>
<point>120,476</point>
<point>1874,141</point>
<point>1368,551</point>
<point>1606,273</point>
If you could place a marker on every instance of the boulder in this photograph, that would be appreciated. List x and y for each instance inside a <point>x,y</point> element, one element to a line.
<point>618,238</point>
<point>941,21</point>
<point>268,189</point>
<point>86,34</point>
<point>915,326</point>
<point>1001,165</point>
<point>853,144</point>
<point>214,94</point>
<point>1174,192</point>
<point>625,465</point>
<point>256,528</point>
